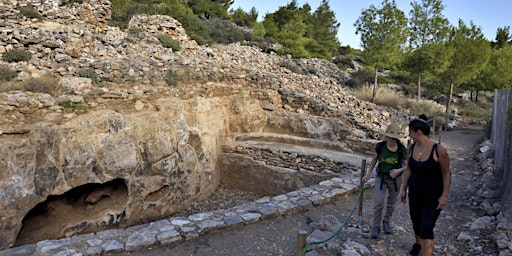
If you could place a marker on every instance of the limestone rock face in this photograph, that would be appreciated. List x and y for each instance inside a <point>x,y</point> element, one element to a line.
<point>121,146</point>
<point>146,164</point>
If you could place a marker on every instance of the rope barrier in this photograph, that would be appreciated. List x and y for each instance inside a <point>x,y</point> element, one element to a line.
<point>309,244</point>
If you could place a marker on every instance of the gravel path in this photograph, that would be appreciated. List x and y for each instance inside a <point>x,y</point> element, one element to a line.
<point>277,236</point>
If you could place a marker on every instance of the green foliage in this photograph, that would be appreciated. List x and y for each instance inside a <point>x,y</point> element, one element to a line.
<point>16,55</point>
<point>134,31</point>
<point>428,29</point>
<point>343,62</point>
<point>224,32</point>
<point>44,85</point>
<point>7,74</point>
<point>123,10</point>
<point>422,106</point>
<point>475,110</point>
<point>360,78</point>
<point>210,8</point>
<point>70,2</point>
<point>30,12</point>
<point>471,52</point>
<point>290,65</point>
<point>503,37</point>
<point>323,30</point>
<point>383,34</point>
<point>90,73</point>
<point>168,42</point>
<point>69,106</point>
<point>302,34</point>
<point>243,19</point>
<point>176,76</point>
<point>171,78</point>
<point>496,73</point>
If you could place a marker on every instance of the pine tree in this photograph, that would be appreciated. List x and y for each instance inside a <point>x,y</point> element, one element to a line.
<point>383,35</point>
<point>428,29</point>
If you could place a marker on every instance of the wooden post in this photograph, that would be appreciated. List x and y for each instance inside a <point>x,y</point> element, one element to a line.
<point>439,138</point>
<point>301,242</point>
<point>434,124</point>
<point>361,183</point>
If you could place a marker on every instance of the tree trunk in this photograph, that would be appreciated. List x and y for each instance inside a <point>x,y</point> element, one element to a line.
<point>476,96</point>
<point>419,85</point>
<point>375,85</point>
<point>447,118</point>
<point>471,95</point>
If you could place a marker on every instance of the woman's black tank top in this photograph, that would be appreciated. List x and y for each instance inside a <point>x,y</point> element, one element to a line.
<point>427,173</point>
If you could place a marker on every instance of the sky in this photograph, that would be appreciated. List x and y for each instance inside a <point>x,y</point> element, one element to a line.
<point>489,15</point>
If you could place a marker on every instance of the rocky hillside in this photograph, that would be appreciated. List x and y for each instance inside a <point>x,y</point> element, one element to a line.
<point>123,132</point>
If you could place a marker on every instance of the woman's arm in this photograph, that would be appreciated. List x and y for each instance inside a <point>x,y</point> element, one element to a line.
<point>444,162</point>
<point>372,165</point>
<point>407,174</point>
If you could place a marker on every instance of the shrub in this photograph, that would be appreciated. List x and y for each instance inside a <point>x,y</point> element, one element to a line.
<point>384,96</point>
<point>290,66</point>
<point>360,78</point>
<point>7,74</point>
<point>478,110</point>
<point>423,106</point>
<point>224,32</point>
<point>47,84</point>
<point>16,55</point>
<point>30,12</point>
<point>168,42</point>
<point>343,63</point>
<point>89,73</point>
<point>70,2</point>
<point>134,30</point>
<point>68,106</point>
<point>174,77</point>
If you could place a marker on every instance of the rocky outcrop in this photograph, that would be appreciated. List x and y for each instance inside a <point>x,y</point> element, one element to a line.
<point>133,149</point>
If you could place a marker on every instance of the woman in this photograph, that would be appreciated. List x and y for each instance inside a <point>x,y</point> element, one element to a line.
<point>391,155</point>
<point>428,179</point>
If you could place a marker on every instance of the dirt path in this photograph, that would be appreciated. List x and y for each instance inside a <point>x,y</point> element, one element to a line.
<point>277,236</point>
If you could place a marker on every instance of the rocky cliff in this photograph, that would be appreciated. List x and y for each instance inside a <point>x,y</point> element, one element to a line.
<point>129,148</point>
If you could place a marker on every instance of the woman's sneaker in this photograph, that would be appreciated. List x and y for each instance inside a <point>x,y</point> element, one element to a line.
<point>415,251</point>
<point>387,228</point>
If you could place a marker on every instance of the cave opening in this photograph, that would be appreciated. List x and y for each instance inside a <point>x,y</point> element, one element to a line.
<point>88,208</point>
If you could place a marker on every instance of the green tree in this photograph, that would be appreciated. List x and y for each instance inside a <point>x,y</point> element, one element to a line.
<point>497,72</point>
<point>428,28</point>
<point>244,19</point>
<point>471,52</point>
<point>383,35</point>
<point>323,29</point>
<point>287,26</point>
<point>210,8</point>
<point>292,38</point>
<point>502,37</point>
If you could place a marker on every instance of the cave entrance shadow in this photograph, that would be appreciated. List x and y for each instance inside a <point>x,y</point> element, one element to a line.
<point>88,208</point>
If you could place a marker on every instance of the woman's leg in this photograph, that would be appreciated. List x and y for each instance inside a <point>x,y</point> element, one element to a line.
<point>427,247</point>
<point>392,197</point>
<point>378,206</point>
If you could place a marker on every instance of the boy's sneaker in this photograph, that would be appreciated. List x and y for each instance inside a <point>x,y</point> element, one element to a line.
<point>375,232</point>
<point>415,251</point>
<point>387,228</point>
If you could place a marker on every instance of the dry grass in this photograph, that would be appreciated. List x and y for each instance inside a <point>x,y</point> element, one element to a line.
<point>384,96</point>
<point>46,84</point>
<point>423,106</point>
